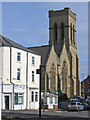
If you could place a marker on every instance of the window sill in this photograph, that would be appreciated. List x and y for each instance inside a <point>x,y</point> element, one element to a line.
<point>33,65</point>
<point>32,82</point>
<point>18,62</point>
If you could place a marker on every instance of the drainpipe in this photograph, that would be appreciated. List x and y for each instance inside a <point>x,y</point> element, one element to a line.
<point>11,77</point>
<point>27,88</point>
<point>1,79</point>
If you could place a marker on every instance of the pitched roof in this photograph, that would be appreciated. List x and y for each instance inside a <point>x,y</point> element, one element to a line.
<point>7,42</point>
<point>44,51</point>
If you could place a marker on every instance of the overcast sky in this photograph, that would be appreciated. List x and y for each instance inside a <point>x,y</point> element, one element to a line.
<point>28,23</point>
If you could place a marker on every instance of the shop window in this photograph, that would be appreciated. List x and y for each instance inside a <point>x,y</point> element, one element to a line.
<point>18,99</point>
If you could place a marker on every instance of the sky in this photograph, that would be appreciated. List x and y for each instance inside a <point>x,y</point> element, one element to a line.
<point>27,23</point>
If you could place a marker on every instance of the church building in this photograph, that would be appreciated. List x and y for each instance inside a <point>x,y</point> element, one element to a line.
<point>60,63</point>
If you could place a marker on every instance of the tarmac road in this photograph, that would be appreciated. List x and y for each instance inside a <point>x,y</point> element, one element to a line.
<point>49,114</point>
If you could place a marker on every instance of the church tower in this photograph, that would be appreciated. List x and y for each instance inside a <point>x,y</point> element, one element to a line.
<point>62,25</point>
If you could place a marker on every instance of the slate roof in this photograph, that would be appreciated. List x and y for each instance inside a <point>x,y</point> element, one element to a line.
<point>44,51</point>
<point>7,42</point>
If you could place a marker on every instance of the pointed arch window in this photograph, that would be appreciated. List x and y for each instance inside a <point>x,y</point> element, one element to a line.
<point>64,77</point>
<point>53,77</point>
<point>71,32</point>
<point>56,32</point>
<point>62,31</point>
<point>73,35</point>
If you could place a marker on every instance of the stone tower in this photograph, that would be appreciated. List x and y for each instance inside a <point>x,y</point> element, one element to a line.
<point>62,25</point>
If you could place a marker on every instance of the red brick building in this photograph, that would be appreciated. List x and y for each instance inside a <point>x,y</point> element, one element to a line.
<point>85,86</point>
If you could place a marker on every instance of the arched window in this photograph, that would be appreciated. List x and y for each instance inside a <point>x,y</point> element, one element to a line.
<point>64,77</point>
<point>56,32</point>
<point>62,31</point>
<point>73,35</point>
<point>53,78</point>
<point>71,32</point>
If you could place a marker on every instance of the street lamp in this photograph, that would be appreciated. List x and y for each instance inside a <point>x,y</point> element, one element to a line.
<point>83,86</point>
<point>38,71</point>
<point>58,85</point>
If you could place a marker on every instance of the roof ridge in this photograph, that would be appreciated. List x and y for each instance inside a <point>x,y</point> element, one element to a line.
<point>6,40</point>
<point>11,43</point>
<point>39,46</point>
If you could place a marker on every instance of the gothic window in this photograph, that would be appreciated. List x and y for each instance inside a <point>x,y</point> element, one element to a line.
<point>52,78</point>
<point>71,32</point>
<point>56,32</point>
<point>73,35</point>
<point>64,77</point>
<point>62,31</point>
<point>72,84</point>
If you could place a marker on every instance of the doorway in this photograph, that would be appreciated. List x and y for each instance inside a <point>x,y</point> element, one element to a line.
<point>6,102</point>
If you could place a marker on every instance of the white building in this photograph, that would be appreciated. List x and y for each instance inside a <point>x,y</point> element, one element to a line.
<point>19,81</point>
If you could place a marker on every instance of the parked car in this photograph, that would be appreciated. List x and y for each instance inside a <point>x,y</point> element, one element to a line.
<point>75,98</point>
<point>75,106</point>
<point>86,106</point>
<point>88,100</point>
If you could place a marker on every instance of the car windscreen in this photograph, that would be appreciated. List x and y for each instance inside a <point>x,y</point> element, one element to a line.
<point>78,104</point>
<point>73,103</point>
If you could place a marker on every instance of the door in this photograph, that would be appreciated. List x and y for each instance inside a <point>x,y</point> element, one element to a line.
<point>6,102</point>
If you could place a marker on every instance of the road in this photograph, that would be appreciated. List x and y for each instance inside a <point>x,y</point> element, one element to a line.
<point>51,114</point>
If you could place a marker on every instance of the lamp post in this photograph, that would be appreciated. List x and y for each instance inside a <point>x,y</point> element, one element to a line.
<point>38,71</point>
<point>58,86</point>
<point>83,86</point>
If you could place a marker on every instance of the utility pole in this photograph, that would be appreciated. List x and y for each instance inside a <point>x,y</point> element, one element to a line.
<point>58,85</point>
<point>83,86</point>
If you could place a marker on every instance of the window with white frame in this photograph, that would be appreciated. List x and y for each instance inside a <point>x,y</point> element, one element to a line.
<point>56,100</point>
<point>18,99</point>
<point>33,60</point>
<point>36,96</point>
<point>32,76</point>
<point>32,96</point>
<point>18,73</point>
<point>50,100</point>
<point>45,100</point>
<point>18,56</point>
<point>88,88</point>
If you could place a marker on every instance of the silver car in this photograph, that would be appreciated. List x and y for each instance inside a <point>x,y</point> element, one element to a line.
<point>75,106</point>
